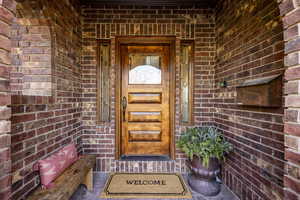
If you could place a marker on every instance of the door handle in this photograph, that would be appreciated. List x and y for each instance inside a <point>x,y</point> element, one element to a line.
<point>124,106</point>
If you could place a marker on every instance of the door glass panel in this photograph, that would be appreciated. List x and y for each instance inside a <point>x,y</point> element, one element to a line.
<point>186,82</point>
<point>144,69</point>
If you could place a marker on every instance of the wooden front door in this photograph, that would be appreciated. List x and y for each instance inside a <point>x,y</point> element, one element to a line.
<point>145,109</point>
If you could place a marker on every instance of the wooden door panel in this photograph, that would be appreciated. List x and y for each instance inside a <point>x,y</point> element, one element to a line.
<point>150,148</point>
<point>144,126</point>
<point>144,117</point>
<point>144,98</point>
<point>135,136</point>
<point>145,88</point>
<point>144,107</point>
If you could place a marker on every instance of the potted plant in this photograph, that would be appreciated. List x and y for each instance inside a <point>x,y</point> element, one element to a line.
<point>205,148</point>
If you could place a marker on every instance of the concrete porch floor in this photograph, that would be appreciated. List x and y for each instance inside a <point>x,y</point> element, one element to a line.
<point>100,179</point>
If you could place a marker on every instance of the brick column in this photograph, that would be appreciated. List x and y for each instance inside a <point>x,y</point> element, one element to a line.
<point>7,8</point>
<point>290,11</point>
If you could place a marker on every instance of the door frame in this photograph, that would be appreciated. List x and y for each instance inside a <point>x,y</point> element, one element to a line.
<point>148,40</point>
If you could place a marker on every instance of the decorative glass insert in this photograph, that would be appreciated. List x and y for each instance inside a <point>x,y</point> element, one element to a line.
<point>144,69</point>
<point>103,82</point>
<point>186,82</point>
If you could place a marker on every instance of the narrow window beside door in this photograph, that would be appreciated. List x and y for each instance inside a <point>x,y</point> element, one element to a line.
<point>186,82</point>
<point>103,81</point>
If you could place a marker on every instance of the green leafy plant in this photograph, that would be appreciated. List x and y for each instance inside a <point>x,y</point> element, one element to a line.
<point>204,142</point>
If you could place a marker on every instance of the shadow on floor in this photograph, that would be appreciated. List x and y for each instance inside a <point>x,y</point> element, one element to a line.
<point>100,179</point>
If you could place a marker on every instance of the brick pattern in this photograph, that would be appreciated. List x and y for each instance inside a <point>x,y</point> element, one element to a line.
<point>250,45</point>
<point>107,22</point>
<point>111,165</point>
<point>289,10</point>
<point>31,58</point>
<point>7,10</point>
<point>42,124</point>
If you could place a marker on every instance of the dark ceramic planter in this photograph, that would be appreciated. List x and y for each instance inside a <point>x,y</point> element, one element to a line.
<point>203,179</point>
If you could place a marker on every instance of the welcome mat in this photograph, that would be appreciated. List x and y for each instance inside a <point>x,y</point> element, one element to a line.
<point>145,185</point>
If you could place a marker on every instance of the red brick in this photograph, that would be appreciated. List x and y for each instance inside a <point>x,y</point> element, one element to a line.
<point>292,129</point>
<point>39,30</point>
<point>33,50</point>
<point>23,136</point>
<point>5,113</point>
<point>5,127</point>
<point>292,87</point>
<point>292,101</point>
<point>5,195</point>
<point>5,99</point>
<point>45,129</point>
<point>9,4</point>
<point>5,57</point>
<point>5,182</point>
<point>45,115</point>
<point>292,45</point>
<point>292,184</point>
<point>292,156</point>
<point>16,99</point>
<point>23,118</point>
<point>286,6</point>
<point>291,32</point>
<point>5,168</point>
<point>23,191</point>
<point>5,155</point>
<point>292,73</point>
<point>289,195</point>
<point>291,19</point>
<point>291,115</point>
<point>5,43</point>
<point>4,86</point>
<point>4,29</point>
<point>6,15</point>
<point>4,72</point>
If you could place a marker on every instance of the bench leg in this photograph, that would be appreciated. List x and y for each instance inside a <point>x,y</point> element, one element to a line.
<point>89,180</point>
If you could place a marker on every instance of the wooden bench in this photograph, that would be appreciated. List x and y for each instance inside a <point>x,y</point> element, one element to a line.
<point>80,172</point>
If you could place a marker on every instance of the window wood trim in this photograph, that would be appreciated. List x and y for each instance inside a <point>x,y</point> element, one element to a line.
<point>100,116</point>
<point>190,122</point>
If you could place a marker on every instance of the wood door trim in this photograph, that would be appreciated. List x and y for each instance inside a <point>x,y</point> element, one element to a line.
<point>171,41</point>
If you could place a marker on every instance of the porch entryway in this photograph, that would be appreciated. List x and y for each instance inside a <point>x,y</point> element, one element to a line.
<point>65,66</point>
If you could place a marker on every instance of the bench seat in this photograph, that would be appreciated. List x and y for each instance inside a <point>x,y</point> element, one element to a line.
<point>66,184</point>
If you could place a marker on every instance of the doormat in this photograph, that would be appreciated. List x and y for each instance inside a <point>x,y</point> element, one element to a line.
<point>146,185</point>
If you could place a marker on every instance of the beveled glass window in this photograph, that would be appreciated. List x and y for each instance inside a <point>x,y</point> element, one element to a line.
<point>144,69</point>
<point>186,82</point>
<point>103,81</point>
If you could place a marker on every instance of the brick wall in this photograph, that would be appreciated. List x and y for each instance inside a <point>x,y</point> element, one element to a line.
<point>7,10</point>
<point>31,58</point>
<point>289,10</point>
<point>109,21</point>
<point>250,45</point>
<point>43,124</point>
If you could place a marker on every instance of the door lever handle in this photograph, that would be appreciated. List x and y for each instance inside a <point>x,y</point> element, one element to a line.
<point>124,106</point>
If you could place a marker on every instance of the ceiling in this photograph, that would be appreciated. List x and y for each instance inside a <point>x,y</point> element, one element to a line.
<point>204,3</point>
